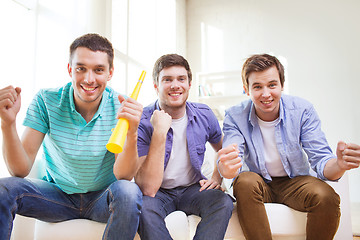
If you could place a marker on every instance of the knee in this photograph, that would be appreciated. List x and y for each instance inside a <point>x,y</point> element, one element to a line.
<point>3,187</point>
<point>126,192</point>
<point>8,186</point>
<point>226,202</point>
<point>326,197</point>
<point>10,190</point>
<point>246,182</point>
<point>4,193</point>
<point>220,201</point>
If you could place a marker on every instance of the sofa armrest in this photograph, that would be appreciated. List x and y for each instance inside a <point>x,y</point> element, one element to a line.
<point>341,187</point>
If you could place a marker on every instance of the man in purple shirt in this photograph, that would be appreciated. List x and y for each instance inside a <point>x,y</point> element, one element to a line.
<point>171,144</point>
<point>279,140</point>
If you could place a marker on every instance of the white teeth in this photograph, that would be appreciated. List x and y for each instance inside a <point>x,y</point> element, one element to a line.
<point>89,88</point>
<point>174,94</point>
<point>267,102</point>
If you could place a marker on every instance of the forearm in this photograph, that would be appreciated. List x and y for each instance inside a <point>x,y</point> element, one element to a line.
<point>15,156</point>
<point>332,170</point>
<point>150,175</point>
<point>216,175</point>
<point>127,162</point>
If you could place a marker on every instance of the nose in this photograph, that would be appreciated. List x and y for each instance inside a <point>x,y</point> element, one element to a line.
<point>174,84</point>
<point>89,77</point>
<point>266,92</point>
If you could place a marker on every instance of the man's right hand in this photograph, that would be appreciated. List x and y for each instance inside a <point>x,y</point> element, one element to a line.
<point>19,155</point>
<point>161,121</point>
<point>10,102</point>
<point>229,161</point>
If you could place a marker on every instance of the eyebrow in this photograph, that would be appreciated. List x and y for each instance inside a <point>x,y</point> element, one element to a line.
<point>272,81</point>
<point>170,76</point>
<point>82,64</point>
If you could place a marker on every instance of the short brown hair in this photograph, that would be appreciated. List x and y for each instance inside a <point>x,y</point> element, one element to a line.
<point>94,42</point>
<point>259,63</point>
<point>170,60</point>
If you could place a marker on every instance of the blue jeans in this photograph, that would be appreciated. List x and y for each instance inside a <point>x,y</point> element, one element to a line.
<point>213,206</point>
<point>118,205</point>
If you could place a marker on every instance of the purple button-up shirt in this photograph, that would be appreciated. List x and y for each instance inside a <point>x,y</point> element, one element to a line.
<point>202,127</point>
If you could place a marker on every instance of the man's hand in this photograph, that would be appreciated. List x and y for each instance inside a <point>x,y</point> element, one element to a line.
<point>348,155</point>
<point>131,110</point>
<point>10,102</point>
<point>161,121</point>
<point>209,184</point>
<point>229,161</point>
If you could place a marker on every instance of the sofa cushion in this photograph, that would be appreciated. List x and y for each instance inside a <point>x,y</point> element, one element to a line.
<point>180,226</point>
<point>284,222</point>
<point>76,229</point>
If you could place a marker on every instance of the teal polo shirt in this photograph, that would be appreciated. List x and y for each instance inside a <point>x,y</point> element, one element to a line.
<point>75,155</point>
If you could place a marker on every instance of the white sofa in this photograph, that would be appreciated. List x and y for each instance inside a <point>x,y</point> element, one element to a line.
<point>285,223</point>
<point>181,227</point>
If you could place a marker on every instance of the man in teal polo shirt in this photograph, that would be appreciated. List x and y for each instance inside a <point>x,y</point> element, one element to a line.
<point>73,124</point>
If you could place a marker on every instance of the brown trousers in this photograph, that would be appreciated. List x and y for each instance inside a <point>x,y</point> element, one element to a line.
<point>303,193</point>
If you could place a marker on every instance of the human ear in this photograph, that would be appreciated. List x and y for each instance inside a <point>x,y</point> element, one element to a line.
<point>69,70</point>
<point>246,90</point>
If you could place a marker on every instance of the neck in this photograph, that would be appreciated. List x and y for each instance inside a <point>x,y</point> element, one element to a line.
<point>87,110</point>
<point>174,112</point>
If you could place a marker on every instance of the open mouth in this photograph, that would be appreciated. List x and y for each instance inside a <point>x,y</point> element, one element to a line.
<point>88,89</point>
<point>267,102</point>
<point>175,94</point>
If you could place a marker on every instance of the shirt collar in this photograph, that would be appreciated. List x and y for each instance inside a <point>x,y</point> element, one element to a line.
<point>104,98</point>
<point>252,115</point>
<point>71,97</point>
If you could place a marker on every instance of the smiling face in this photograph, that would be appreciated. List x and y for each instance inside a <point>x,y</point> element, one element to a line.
<point>90,72</point>
<point>173,90</point>
<point>265,91</point>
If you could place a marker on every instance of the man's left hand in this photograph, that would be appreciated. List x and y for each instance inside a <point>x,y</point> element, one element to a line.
<point>209,184</point>
<point>348,155</point>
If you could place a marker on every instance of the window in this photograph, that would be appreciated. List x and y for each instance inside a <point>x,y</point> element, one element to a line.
<point>38,34</point>
<point>142,31</point>
<point>17,54</point>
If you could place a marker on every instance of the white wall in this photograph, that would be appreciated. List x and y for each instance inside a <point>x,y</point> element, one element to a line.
<point>319,39</point>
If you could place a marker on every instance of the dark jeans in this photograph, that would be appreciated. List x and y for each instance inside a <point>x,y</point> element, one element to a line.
<point>119,205</point>
<point>213,206</point>
<point>303,193</point>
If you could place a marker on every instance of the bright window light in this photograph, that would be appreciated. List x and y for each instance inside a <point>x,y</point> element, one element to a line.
<point>17,41</point>
<point>142,31</point>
